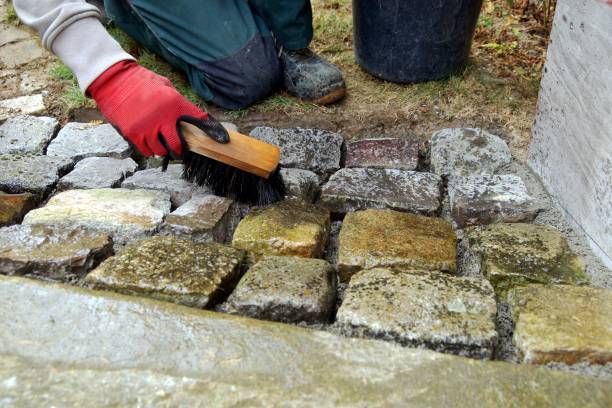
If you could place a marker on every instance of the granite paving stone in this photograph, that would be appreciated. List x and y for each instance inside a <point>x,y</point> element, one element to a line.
<point>170,181</point>
<point>61,254</point>
<point>26,134</point>
<point>285,228</point>
<point>98,172</point>
<point>123,214</point>
<point>486,199</point>
<point>510,255</point>
<point>385,238</point>
<point>562,324</point>
<point>301,184</point>
<point>21,105</point>
<point>80,140</point>
<point>19,53</point>
<point>203,218</point>
<point>360,188</point>
<point>14,206</point>
<point>421,309</point>
<point>285,289</point>
<point>95,349</point>
<point>171,269</point>
<point>34,174</point>
<point>316,150</point>
<point>467,151</point>
<point>383,153</point>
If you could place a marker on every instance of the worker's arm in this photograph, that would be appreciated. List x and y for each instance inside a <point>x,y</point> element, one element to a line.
<point>72,30</point>
<point>143,106</point>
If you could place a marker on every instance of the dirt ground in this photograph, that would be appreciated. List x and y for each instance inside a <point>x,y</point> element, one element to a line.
<point>497,90</point>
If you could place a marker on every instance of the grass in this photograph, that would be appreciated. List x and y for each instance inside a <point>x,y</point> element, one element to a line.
<point>11,15</point>
<point>71,95</point>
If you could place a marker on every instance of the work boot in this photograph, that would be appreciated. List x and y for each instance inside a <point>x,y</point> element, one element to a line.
<point>311,78</point>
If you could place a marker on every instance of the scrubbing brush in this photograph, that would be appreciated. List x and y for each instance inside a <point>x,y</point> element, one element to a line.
<point>243,168</point>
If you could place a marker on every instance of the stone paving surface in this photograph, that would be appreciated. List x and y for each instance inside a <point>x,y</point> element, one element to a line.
<point>385,238</point>
<point>422,309</point>
<point>169,181</point>
<point>285,289</point>
<point>97,172</point>
<point>80,353</point>
<point>171,269</point>
<point>510,255</point>
<point>14,206</point>
<point>285,228</point>
<point>316,150</point>
<point>61,254</point>
<point>203,218</point>
<point>26,134</point>
<point>562,324</point>
<point>486,199</point>
<point>466,152</point>
<point>20,53</point>
<point>21,105</point>
<point>383,153</point>
<point>123,214</point>
<point>80,140</point>
<point>302,185</point>
<point>358,189</point>
<point>34,174</point>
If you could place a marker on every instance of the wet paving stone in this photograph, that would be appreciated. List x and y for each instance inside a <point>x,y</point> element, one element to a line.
<point>316,150</point>
<point>97,172</point>
<point>34,174</point>
<point>21,105</point>
<point>383,153</point>
<point>171,269</point>
<point>285,289</point>
<point>203,218</point>
<point>385,238</point>
<point>285,228</point>
<point>465,152</point>
<point>170,181</point>
<point>485,199</point>
<point>62,254</point>
<point>26,134</point>
<point>562,324</point>
<point>302,185</point>
<point>80,140</point>
<point>359,188</point>
<point>14,206</point>
<point>510,255</point>
<point>421,309</point>
<point>123,214</point>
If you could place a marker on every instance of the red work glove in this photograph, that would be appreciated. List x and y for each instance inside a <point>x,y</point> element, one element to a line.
<point>146,108</point>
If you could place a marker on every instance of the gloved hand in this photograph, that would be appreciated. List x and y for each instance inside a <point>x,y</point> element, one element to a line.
<point>145,108</point>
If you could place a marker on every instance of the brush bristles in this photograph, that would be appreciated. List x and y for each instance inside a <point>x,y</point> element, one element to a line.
<point>228,181</point>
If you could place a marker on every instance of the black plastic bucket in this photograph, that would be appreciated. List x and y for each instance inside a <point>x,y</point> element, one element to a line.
<point>414,40</point>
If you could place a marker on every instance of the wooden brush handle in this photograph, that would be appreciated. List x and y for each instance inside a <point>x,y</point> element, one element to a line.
<point>243,152</point>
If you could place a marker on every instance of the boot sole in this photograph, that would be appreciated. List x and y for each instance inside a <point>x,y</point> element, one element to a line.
<point>331,97</point>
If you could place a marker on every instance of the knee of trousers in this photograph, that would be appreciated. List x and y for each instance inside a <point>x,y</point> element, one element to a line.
<point>246,77</point>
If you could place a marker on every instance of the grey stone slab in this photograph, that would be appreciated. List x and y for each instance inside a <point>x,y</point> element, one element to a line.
<point>80,140</point>
<point>467,151</point>
<point>383,153</point>
<point>316,150</point>
<point>301,184</point>
<point>62,254</point>
<point>93,349</point>
<point>433,310</point>
<point>170,181</point>
<point>485,199</point>
<point>19,53</point>
<point>21,105</point>
<point>98,172</point>
<point>171,269</point>
<point>203,218</point>
<point>26,134</point>
<point>123,214</point>
<point>360,188</point>
<point>34,174</point>
<point>9,34</point>
<point>285,289</point>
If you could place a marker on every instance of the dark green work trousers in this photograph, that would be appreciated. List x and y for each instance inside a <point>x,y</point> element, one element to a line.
<point>227,48</point>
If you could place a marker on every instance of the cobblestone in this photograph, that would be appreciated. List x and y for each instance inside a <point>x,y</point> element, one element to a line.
<point>14,206</point>
<point>26,134</point>
<point>97,172</point>
<point>34,174</point>
<point>383,153</point>
<point>80,140</point>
